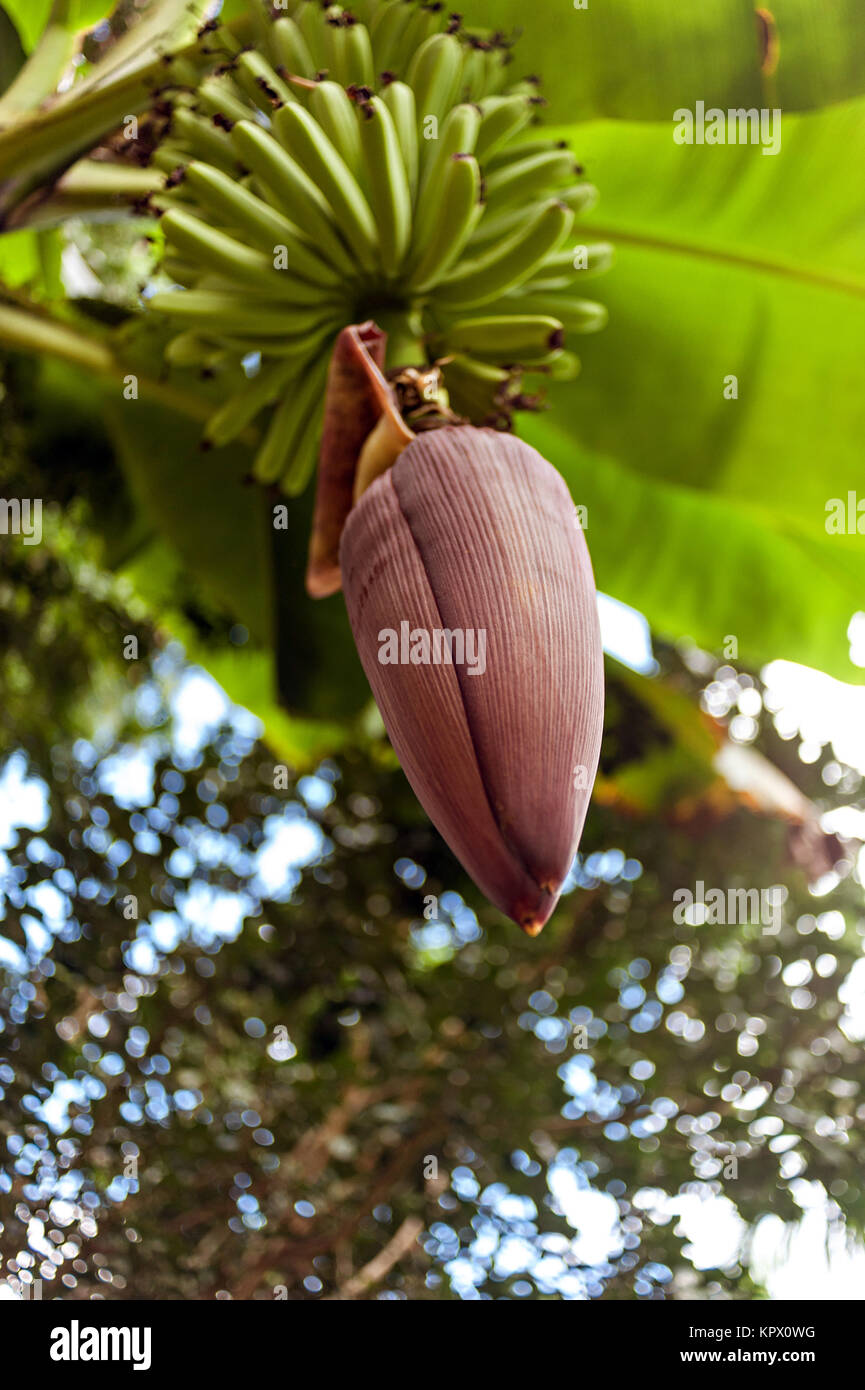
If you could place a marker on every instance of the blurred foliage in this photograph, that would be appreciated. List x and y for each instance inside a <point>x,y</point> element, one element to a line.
<point>638,61</point>
<point>724,272</point>
<point>239,1060</point>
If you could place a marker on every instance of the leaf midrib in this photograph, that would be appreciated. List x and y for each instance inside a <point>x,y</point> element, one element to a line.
<point>805,275</point>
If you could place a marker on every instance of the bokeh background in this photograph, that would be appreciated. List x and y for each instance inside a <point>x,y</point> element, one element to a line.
<point>259,1035</point>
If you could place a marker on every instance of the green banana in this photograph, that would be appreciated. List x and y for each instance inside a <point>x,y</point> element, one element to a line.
<point>265,229</point>
<point>180,271</point>
<point>205,140</point>
<point>452,225</point>
<point>262,85</point>
<point>289,48</point>
<point>475,74</point>
<point>495,226</point>
<point>477,389</point>
<point>288,423</point>
<point>169,156</point>
<point>580,196</point>
<point>349,52</point>
<point>435,72</point>
<point>310,20</point>
<point>508,264</point>
<point>307,143</point>
<point>387,31</point>
<point>501,119</point>
<point>188,350</point>
<point>519,338</point>
<point>458,135</point>
<point>220,97</point>
<point>528,178</point>
<point>294,191</point>
<point>335,112</point>
<point>359,58</point>
<point>233,260</point>
<point>425,22</point>
<point>301,347</point>
<point>232,418</point>
<point>223,311</point>
<point>578,262</point>
<point>305,453</point>
<point>522,149</point>
<point>565,367</point>
<point>390,195</point>
<point>398,97</point>
<point>366,10</point>
<point>577,315</point>
<point>218,42</point>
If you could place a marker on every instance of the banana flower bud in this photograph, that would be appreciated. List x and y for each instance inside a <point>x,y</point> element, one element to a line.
<point>471,598</point>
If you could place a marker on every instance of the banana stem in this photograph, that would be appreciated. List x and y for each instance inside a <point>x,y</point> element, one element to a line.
<point>404,331</point>
<point>41,141</point>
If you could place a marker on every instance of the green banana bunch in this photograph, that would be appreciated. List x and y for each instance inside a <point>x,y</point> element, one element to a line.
<point>376,162</point>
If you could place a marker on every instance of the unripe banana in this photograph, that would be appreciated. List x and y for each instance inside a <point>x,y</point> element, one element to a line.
<point>301,400</point>
<point>205,140</point>
<point>459,240</point>
<point>424,23</point>
<point>507,265</point>
<point>577,315</point>
<point>307,143</point>
<point>501,119</point>
<point>519,338</point>
<point>435,72</point>
<point>387,30</point>
<point>458,136</point>
<point>304,454</point>
<point>398,97</point>
<point>390,196</point>
<point>189,350</point>
<point>218,96</point>
<point>559,272</point>
<point>258,80</point>
<point>295,192</point>
<point>520,183</point>
<point>223,312</point>
<point>453,224</point>
<point>227,257</point>
<point>232,418</point>
<point>332,107</point>
<point>358,57</point>
<point>256,220</point>
<point>290,49</point>
<point>309,19</point>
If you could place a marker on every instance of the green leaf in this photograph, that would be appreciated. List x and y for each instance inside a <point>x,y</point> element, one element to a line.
<point>732,264</point>
<point>700,566</point>
<point>639,61</point>
<point>19,258</point>
<point>221,528</point>
<point>29,18</point>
